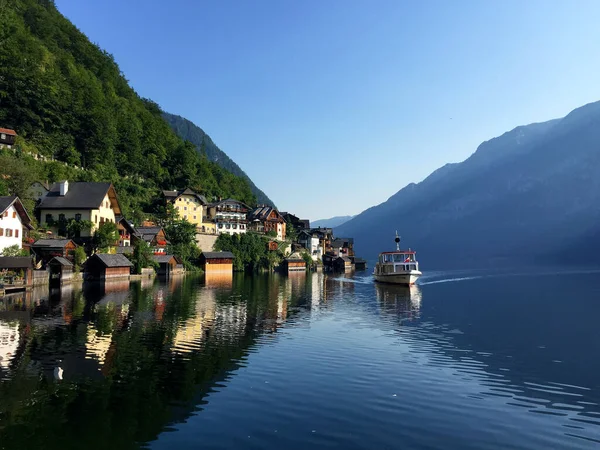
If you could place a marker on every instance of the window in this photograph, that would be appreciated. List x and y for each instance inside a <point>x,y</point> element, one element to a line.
<point>16,233</point>
<point>220,225</point>
<point>5,213</point>
<point>228,226</point>
<point>61,217</point>
<point>177,208</point>
<point>14,214</point>
<point>242,227</point>
<point>77,217</point>
<point>1,231</point>
<point>3,136</point>
<point>49,218</point>
<point>185,208</point>
<point>96,218</point>
<point>8,232</point>
<point>234,226</point>
<point>185,217</point>
<point>194,217</point>
<point>39,193</point>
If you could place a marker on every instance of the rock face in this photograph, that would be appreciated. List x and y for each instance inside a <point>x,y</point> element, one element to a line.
<point>531,195</point>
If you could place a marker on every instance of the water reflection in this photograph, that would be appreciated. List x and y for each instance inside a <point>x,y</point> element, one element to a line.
<point>136,359</point>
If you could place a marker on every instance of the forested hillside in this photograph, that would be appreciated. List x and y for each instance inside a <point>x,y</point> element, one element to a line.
<point>67,99</point>
<point>189,131</point>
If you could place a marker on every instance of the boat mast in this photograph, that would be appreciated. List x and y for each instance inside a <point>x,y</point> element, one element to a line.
<point>397,241</point>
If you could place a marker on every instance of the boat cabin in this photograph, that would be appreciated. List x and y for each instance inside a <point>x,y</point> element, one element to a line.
<point>403,260</point>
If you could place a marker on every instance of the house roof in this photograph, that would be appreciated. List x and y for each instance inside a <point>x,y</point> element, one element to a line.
<point>343,258</point>
<point>109,260</point>
<point>148,233</point>
<point>262,214</point>
<point>43,184</point>
<point>229,200</point>
<point>148,230</point>
<point>294,257</point>
<point>62,261</point>
<point>16,262</point>
<point>8,131</point>
<point>161,259</point>
<point>126,224</point>
<point>124,250</point>
<point>217,255</point>
<point>8,201</point>
<point>80,195</point>
<point>52,243</point>
<point>172,195</point>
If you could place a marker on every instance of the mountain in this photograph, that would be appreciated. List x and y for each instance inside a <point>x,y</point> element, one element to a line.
<point>189,131</point>
<point>68,100</point>
<point>331,223</point>
<point>531,195</point>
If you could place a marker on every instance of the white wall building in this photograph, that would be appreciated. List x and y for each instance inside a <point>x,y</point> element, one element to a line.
<point>14,222</point>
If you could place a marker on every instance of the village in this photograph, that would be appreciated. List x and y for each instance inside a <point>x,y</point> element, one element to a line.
<point>78,232</point>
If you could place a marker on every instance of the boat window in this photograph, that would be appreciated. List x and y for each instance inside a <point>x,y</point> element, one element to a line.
<point>398,257</point>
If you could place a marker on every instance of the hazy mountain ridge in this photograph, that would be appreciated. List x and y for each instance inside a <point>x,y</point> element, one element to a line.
<point>332,222</point>
<point>189,131</point>
<point>518,197</point>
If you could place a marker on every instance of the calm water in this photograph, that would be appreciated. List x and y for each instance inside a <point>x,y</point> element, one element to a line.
<point>463,361</point>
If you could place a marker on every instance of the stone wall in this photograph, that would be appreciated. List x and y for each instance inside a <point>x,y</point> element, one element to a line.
<point>206,242</point>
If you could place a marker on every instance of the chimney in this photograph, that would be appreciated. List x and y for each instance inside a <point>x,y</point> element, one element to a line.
<point>64,187</point>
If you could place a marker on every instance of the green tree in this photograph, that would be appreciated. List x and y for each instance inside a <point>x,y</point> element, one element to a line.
<point>291,232</point>
<point>75,227</point>
<point>14,250</point>
<point>142,256</point>
<point>181,235</point>
<point>79,258</point>
<point>107,235</point>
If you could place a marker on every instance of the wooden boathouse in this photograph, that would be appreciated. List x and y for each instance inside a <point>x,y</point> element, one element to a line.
<point>61,270</point>
<point>16,273</point>
<point>217,262</point>
<point>295,263</point>
<point>103,266</point>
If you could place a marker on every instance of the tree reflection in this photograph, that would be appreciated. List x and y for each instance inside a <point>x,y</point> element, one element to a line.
<point>110,365</point>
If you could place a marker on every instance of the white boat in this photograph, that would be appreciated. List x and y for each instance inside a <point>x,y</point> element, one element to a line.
<point>398,267</point>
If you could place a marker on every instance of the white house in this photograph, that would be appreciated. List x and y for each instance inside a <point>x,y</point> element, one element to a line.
<point>311,243</point>
<point>14,222</point>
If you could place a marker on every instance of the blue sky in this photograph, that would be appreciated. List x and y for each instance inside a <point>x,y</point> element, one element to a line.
<point>333,106</point>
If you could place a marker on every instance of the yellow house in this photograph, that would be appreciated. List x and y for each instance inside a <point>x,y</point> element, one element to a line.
<point>96,202</point>
<point>191,207</point>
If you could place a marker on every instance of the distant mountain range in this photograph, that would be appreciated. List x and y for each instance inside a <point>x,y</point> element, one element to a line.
<point>331,223</point>
<point>189,131</point>
<point>531,195</point>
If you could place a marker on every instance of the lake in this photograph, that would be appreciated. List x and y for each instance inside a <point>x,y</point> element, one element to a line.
<point>465,360</point>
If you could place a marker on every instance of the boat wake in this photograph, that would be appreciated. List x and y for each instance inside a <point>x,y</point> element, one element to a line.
<point>448,280</point>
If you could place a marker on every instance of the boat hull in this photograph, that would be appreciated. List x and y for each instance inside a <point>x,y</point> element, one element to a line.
<point>407,279</point>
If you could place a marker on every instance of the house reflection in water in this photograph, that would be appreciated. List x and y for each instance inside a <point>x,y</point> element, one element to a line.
<point>220,279</point>
<point>194,330</point>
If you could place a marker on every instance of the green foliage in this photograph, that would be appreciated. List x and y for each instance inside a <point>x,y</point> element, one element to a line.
<point>181,235</point>
<point>207,148</point>
<point>307,259</point>
<point>271,233</point>
<point>75,227</point>
<point>79,258</point>
<point>68,100</point>
<point>291,233</point>
<point>14,250</point>
<point>250,251</point>
<point>142,256</point>
<point>105,236</point>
